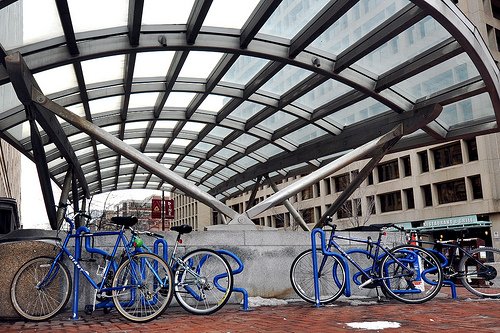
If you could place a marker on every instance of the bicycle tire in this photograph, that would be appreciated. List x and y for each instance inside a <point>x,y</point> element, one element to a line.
<point>483,280</point>
<point>142,287</point>
<point>205,283</point>
<point>332,280</point>
<point>37,303</point>
<point>417,279</point>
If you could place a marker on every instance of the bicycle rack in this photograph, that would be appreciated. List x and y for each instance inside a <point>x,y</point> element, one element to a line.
<point>162,243</point>
<point>321,232</point>
<point>237,271</point>
<point>444,263</point>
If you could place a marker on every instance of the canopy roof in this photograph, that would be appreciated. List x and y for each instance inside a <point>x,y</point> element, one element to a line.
<point>225,91</point>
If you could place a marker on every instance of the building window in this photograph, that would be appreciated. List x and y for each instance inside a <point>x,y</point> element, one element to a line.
<point>317,192</point>
<point>345,211</point>
<point>307,215</point>
<point>447,156</point>
<point>370,178</point>
<point>328,187</point>
<point>390,202</point>
<point>452,191</point>
<point>472,149</point>
<point>279,220</point>
<point>427,193</point>
<point>477,190</point>
<point>357,207</point>
<point>370,204</point>
<point>424,161</point>
<point>307,193</point>
<point>410,200</point>
<point>388,171</point>
<point>406,165</point>
<point>341,182</point>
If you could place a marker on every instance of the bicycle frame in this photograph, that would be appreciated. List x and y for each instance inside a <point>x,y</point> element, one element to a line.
<point>78,235</point>
<point>344,258</point>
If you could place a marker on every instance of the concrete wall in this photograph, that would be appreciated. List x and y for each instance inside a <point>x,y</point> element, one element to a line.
<point>266,255</point>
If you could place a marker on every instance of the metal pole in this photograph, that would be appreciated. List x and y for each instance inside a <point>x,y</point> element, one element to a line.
<point>163,210</point>
<point>289,207</point>
<point>132,154</point>
<point>323,172</point>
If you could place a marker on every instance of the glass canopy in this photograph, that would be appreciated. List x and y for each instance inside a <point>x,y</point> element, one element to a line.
<point>225,91</point>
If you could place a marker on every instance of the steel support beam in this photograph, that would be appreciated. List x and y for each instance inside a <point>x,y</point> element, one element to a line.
<point>132,154</point>
<point>42,170</point>
<point>288,205</point>
<point>63,199</point>
<point>251,200</point>
<point>356,181</point>
<point>325,171</point>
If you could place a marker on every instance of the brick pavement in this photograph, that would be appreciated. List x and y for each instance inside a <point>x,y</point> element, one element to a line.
<point>463,315</point>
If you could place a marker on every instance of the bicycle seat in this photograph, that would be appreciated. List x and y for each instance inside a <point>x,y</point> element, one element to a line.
<point>182,229</point>
<point>126,221</point>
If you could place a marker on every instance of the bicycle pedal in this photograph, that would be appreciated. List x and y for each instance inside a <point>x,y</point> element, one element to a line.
<point>89,309</point>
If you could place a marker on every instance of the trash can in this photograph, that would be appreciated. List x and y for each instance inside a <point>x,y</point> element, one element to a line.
<point>9,217</point>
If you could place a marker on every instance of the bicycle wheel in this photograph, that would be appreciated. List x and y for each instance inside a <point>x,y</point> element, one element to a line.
<point>38,295</point>
<point>414,275</point>
<point>142,287</point>
<point>203,282</point>
<point>332,277</point>
<point>481,272</point>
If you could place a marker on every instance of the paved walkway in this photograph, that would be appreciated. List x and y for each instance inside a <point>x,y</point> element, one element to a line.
<point>467,314</point>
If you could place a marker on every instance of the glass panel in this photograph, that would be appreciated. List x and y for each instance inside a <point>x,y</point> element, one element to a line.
<point>269,150</point>
<point>154,141</point>
<point>34,28</point>
<point>56,79</point>
<point>179,99</point>
<point>181,170</point>
<point>204,147</point>
<point>136,125</point>
<point>103,69</point>
<point>143,100</point>
<point>277,120</point>
<point>285,79</point>
<point>240,11</point>
<point>214,180</point>
<point>358,112</point>
<point>165,124</point>
<point>193,127</point>
<point>412,42</point>
<point>245,162</point>
<point>208,166</point>
<point>105,104</point>
<point>21,131</point>
<point>323,94</point>
<point>8,98</point>
<point>213,103</point>
<point>133,142</point>
<point>245,111</point>
<point>91,15</point>
<point>361,19</point>
<point>199,64</point>
<point>152,64</point>
<point>244,69</point>
<point>227,172</point>
<point>463,112</point>
<point>225,153</point>
<point>190,160</point>
<point>77,109</point>
<point>220,132</point>
<point>163,12</point>
<point>304,134</point>
<point>245,140</point>
<point>181,142</point>
<point>437,78</point>
<point>291,16</point>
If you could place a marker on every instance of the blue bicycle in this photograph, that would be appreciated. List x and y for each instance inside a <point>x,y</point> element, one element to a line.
<point>407,273</point>
<point>140,284</point>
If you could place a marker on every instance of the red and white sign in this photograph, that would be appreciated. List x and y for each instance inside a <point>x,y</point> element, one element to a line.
<point>169,209</point>
<point>156,208</point>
